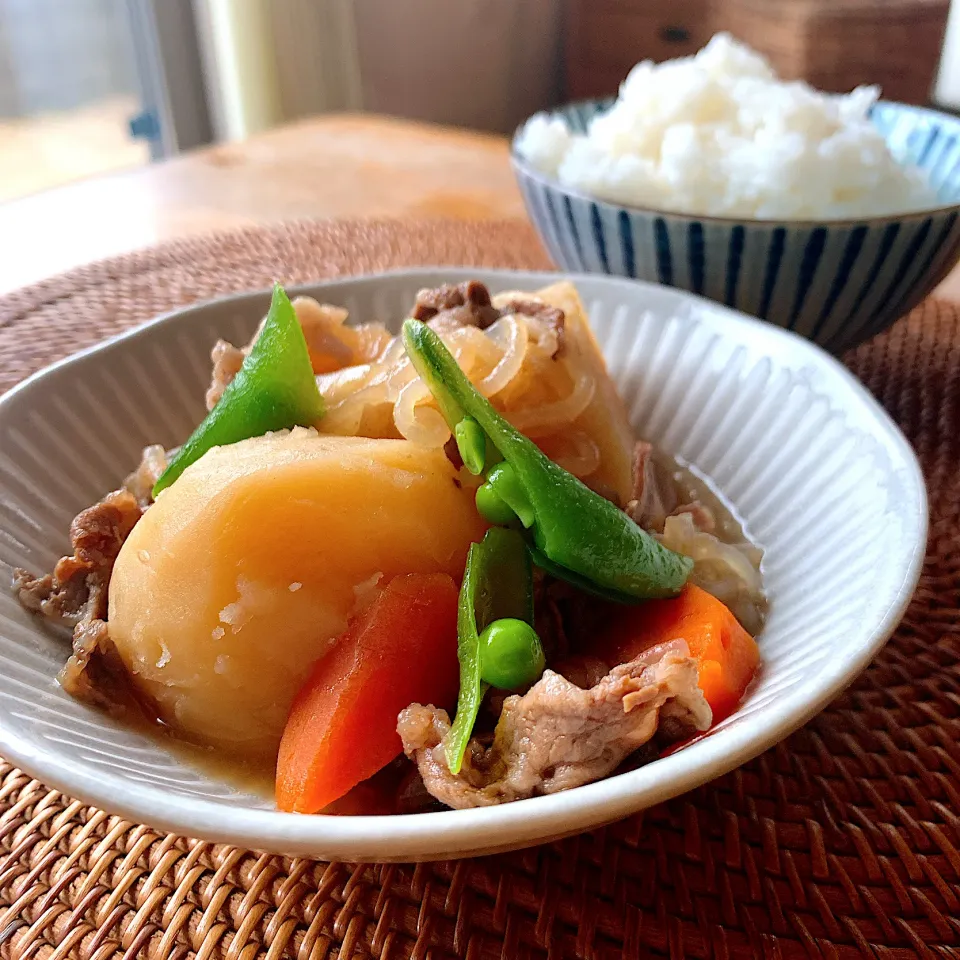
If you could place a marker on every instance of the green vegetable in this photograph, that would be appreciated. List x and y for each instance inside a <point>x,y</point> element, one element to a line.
<point>580,536</point>
<point>497,585</point>
<point>472,444</point>
<point>505,484</point>
<point>510,654</point>
<point>275,389</point>
<point>492,508</point>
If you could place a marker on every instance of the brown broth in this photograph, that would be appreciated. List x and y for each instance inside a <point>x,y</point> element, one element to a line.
<point>383,793</point>
<point>387,792</point>
<point>692,485</point>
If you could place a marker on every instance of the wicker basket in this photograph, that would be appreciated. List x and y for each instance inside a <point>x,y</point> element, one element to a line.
<point>833,44</point>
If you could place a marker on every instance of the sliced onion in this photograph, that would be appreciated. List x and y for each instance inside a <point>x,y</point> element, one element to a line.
<point>708,552</point>
<point>443,324</point>
<point>510,335</point>
<point>372,340</point>
<point>342,420</point>
<point>392,353</point>
<point>550,417</point>
<point>513,352</point>
<point>488,349</point>
<point>345,381</point>
<point>397,377</point>
<point>577,454</point>
<point>544,335</point>
<point>415,420</point>
<point>344,416</point>
<point>475,353</point>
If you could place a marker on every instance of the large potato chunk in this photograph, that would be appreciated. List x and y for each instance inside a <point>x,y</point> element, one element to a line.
<point>242,574</point>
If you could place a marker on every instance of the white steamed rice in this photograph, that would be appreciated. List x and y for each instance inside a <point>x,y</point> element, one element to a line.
<point>719,134</point>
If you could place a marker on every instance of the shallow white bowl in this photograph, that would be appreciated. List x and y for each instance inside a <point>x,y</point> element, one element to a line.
<point>823,478</point>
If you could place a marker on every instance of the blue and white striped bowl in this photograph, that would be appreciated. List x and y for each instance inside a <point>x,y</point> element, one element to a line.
<point>836,282</point>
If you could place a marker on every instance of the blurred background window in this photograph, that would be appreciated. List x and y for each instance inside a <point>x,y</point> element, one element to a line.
<point>91,86</point>
<point>67,89</point>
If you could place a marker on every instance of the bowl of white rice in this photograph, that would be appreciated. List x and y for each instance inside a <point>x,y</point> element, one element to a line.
<point>828,214</point>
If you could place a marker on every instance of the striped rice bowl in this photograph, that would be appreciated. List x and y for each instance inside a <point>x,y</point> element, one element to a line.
<point>835,281</point>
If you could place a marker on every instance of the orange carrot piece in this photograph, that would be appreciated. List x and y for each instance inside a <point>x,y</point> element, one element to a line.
<point>727,656</point>
<point>342,726</point>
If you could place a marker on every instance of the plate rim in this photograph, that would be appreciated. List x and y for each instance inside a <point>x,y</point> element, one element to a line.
<point>461,833</point>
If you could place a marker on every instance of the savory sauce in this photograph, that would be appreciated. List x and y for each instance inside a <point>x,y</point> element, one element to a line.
<point>692,485</point>
<point>395,789</point>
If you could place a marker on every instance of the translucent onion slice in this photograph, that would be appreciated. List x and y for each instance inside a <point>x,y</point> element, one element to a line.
<point>343,420</point>
<point>510,335</point>
<point>475,352</point>
<point>343,383</point>
<point>548,418</point>
<point>416,420</point>
<point>577,453</point>
<point>544,336</point>
<point>708,553</point>
<point>392,354</point>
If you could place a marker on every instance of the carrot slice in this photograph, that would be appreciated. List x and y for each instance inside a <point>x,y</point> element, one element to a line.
<point>727,656</point>
<point>342,726</point>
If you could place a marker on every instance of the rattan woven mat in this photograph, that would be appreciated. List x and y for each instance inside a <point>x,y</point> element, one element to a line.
<point>843,841</point>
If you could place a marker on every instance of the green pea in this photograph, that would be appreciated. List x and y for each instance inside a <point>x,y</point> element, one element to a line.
<point>510,654</point>
<point>506,484</point>
<point>492,508</point>
<point>472,444</point>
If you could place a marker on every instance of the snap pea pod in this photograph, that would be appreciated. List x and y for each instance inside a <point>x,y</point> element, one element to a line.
<point>497,585</point>
<point>275,389</point>
<point>575,533</point>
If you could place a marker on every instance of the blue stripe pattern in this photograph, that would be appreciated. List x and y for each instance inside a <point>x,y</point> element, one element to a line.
<point>850,253</point>
<point>837,282</point>
<point>626,243</point>
<point>598,237</point>
<point>916,244</point>
<point>696,256</point>
<point>734,259</point>
<point>778,240</point>
<point>574,232</point>
<point>808,270</point>
<point>886,243</point>
<point>937,248</point>
<point>664,258</point>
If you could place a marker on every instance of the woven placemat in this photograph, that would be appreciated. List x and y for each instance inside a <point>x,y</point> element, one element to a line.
<point>843,841</point>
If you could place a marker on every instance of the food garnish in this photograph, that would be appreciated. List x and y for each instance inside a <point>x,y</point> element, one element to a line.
<point>497,590</point>
<point>574,533</point>
<point>274,390</point>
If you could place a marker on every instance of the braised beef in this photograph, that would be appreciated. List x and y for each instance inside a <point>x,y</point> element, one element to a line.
<point>558,735</point>
<point>227,361</point>
<point>141,482</point>
<point>468,303</point>
<point>656,495</point>
<point>75,595</point>
<point>544,312</point>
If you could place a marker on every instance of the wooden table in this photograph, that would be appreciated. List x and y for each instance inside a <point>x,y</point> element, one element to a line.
<point>332,166</point>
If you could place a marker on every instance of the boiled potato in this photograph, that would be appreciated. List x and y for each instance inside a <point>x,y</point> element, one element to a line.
<point>246,570</point>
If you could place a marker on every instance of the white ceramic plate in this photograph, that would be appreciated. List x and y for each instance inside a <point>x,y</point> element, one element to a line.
<point>825,482</point>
